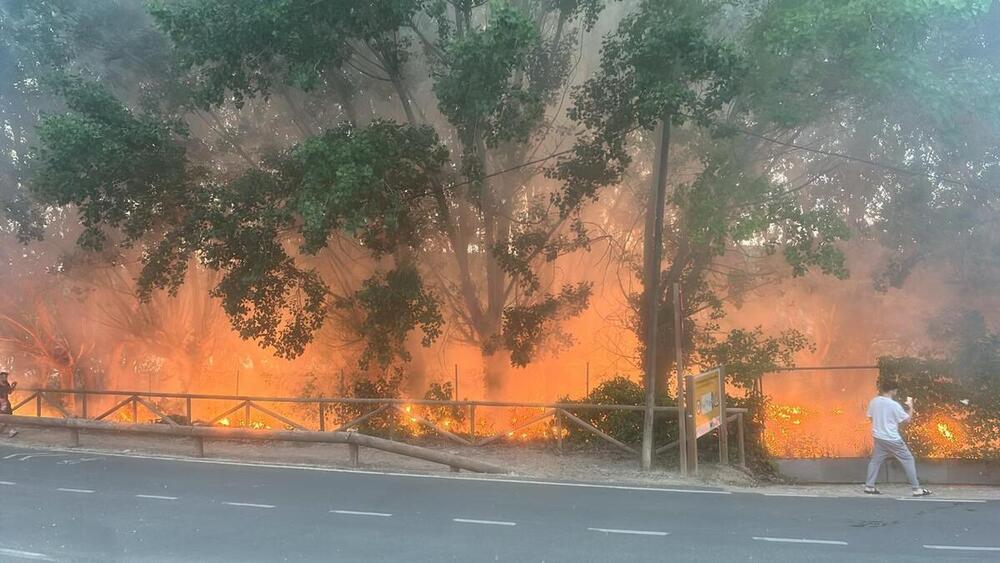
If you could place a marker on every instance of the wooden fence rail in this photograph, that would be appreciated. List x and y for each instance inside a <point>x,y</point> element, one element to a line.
<point>201,433</point>
<point>558,412</point>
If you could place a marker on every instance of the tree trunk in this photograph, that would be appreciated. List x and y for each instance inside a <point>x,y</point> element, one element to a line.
<point>495,368</point>
<point>652,255</point>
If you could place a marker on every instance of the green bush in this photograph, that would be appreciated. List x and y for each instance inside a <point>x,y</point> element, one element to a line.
<point>624,426</point>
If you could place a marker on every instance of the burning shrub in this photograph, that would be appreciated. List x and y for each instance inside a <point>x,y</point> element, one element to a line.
<point>958,413</point>
<point>380,387</point>
<point>405,424</point>
<point>448,417</point>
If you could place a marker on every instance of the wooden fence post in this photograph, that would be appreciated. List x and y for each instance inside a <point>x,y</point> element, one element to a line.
<point>740,442</point>
<point>354,454</point>
<point>724,429</point>
<point>472,424</point>
<point>559,430</point>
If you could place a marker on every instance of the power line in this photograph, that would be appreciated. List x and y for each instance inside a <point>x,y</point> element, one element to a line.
<point>518,167</point>
<point>789,144</point>
<point>873,163</point>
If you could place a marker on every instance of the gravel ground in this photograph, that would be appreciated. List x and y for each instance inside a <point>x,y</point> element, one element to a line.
<point>530,461</point>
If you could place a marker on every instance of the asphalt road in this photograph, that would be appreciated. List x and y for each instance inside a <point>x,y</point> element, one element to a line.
<point>77,506</point>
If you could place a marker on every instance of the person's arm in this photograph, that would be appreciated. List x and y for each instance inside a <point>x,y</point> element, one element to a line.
<point>904,415</point>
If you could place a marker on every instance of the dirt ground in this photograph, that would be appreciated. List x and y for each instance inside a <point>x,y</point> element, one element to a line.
<point>528,461</point>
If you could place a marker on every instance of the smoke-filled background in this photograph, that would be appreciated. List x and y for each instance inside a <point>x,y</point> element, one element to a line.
<point>219,197</point>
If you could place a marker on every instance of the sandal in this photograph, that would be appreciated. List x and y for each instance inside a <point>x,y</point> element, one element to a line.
<point>922,493</point>
<point>872,491</point>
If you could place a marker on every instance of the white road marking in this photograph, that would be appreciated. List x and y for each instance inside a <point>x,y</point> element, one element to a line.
<point>25,554</point>
<point>488,522</point>
<point>24,457</point>
<point>962,547</point>
<point>84,491</point>
<point>77,461</point>
<point>249,504</point>
<point>800,540</point>
<point>790,495</point>
<point>360,513</point>
<point>11,483</point>
<point>156,497</point>
<point>631,532</point>
<point>940,500</point>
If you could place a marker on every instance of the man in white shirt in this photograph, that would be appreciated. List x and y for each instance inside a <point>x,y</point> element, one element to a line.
<point>886,414</point>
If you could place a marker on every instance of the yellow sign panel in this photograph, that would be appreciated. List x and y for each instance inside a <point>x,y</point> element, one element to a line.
<point>707,402</point>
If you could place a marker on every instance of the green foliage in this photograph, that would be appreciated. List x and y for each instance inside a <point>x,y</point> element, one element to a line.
<point>122,169</point>
<point>525,327</point>
<point>748,354</point>
<point>393,305</point>
<point>339,183</point>
<point>329,184</point>
<point>588,10</point>
<point>242,49</point>
<point>914,82</point>
<point>727,204</point>
<point>811,54</point>
<point>474,87</point>
<point>531,239</point>
<point>385,186</point>
<point>638,85</point>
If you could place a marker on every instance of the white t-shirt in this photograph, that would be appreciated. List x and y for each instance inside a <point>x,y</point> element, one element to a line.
<point>886,414</point>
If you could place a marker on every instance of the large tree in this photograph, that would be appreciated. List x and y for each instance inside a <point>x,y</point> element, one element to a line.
<point>438,182</point>
<point>803,123</point>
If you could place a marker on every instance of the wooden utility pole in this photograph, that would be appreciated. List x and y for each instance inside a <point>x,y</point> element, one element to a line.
<point>682,413</point>
<point>652,256</point>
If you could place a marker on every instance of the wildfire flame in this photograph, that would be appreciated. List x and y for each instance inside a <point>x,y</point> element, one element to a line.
<point>946,432</point>
<point>253,424</point>
<point>791,431</point>
<point>944,436</point>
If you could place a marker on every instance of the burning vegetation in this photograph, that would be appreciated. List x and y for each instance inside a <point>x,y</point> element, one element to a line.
<point>317,203</point>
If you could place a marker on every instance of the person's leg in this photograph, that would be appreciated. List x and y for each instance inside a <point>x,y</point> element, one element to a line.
<point>5,408</point>
<point>901,452</point>
<point>879,455</point>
